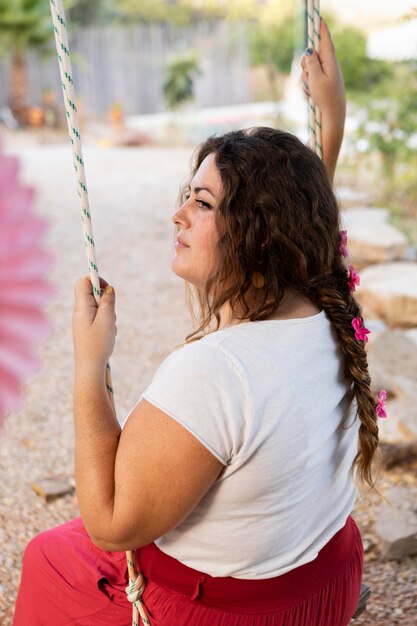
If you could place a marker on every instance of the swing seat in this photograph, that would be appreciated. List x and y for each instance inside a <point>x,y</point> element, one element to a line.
<point>363,599</point>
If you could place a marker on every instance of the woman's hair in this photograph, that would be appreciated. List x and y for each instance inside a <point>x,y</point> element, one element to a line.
<point>278,217</point>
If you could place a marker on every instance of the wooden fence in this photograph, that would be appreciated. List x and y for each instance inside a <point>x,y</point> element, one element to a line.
<point>126,65</point>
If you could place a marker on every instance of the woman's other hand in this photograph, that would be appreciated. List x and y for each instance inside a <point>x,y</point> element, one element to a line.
<point>323,82</point>
<point>94,327</point>
<point>322,77</point>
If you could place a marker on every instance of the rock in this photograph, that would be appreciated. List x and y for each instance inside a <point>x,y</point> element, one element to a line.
<point>396,523</point>
<point>375,326</point>
<point>349,197</point>
<point>407,409</point>
<point>401,423</point>
<point>368,541</point>
<point>131,137</point>
<point>51,488</point>
<point>410,253</point>
<point>393,354</point>
<point>412,334</point>
<point>398,453</point>
<point>371,238</point>
<point>392,359</point>
<point>389,291</point>
<point>363,599</point>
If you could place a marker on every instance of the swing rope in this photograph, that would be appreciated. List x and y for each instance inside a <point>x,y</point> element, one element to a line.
<point>313,41</point>
<point>136,580</point>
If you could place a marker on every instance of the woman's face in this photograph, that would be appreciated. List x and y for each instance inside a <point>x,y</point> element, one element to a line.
<point>197,236</point>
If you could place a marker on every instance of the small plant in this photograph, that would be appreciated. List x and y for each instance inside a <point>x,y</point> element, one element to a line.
<point>179,79</point>
<point>390,125</point>
<point>388,134</point>
<point>116,113</point>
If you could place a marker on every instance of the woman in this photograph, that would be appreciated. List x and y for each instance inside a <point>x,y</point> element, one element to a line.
<point>237,460</point>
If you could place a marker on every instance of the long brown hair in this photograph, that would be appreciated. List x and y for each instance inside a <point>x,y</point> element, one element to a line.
<point>279,217</point>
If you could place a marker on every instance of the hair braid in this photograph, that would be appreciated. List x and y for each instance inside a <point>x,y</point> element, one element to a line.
<point>332,294</point>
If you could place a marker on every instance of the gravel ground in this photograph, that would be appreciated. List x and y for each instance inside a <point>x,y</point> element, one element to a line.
<point>393,583</point>
<point>132,195</point>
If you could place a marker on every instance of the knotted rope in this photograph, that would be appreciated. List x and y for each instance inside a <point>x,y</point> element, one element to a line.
<point>134,591</point>
<point>313,41</point>
<point>137,583</point>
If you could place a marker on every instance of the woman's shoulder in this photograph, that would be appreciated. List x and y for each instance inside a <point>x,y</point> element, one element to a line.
<point>208,356</point>
<point>239,352</point>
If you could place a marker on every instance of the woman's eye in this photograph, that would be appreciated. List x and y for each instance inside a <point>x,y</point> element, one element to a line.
<point>203,205</point>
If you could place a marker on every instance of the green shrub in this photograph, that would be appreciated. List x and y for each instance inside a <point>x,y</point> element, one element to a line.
<point>178,84</point>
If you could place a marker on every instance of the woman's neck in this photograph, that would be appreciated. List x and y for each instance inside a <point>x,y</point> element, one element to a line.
<point>293,305</point>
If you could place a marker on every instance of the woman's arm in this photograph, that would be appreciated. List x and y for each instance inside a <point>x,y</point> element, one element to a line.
<point>132,485</point>
<point>323,81</point>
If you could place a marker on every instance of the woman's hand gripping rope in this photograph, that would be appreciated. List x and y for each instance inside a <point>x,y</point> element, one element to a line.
<point>94,327</point>
<point>322,80</point>
<point>322,77</point>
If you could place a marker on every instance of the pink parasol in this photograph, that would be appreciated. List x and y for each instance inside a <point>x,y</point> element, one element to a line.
<point>23,288</point>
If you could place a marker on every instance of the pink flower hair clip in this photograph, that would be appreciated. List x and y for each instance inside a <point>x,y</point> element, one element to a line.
<point>380,407</point>
<point>360,331</point>
<point>343,243</point>
<point>353,278</point>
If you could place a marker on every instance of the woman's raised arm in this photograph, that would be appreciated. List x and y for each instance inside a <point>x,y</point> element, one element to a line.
<point>323,81</point>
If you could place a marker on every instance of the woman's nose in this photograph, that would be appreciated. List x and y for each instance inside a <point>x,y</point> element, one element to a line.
<point>181,215</point>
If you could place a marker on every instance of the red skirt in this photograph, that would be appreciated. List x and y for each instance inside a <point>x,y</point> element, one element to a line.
<point>68,581</point>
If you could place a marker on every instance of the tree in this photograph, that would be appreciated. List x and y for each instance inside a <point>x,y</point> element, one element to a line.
<point>175,12</point>
<point>361,74</point>
<point>179,80</point>
<point>24,25</point>
<point>87,12</point>
<point>272,45</point>
<point>181,12</point>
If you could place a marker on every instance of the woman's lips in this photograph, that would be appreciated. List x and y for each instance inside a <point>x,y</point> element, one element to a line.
<point>180,244</point>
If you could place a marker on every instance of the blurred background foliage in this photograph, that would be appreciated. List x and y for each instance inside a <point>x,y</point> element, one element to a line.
<point>382,95</point>
<point>179,79</point>
<point>24,25</point>
<point>361,73</point>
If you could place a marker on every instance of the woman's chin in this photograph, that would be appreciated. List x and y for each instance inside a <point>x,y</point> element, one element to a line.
<point>180,271</point>
<point>195,277</point>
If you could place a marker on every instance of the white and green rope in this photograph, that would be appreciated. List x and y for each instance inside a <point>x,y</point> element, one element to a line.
<point>62,47</point>
<point>136,581</point>
<point>313,41</point>
<point>134,591</point>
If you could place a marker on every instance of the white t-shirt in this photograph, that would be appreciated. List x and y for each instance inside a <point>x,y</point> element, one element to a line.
<point>267,399</point>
